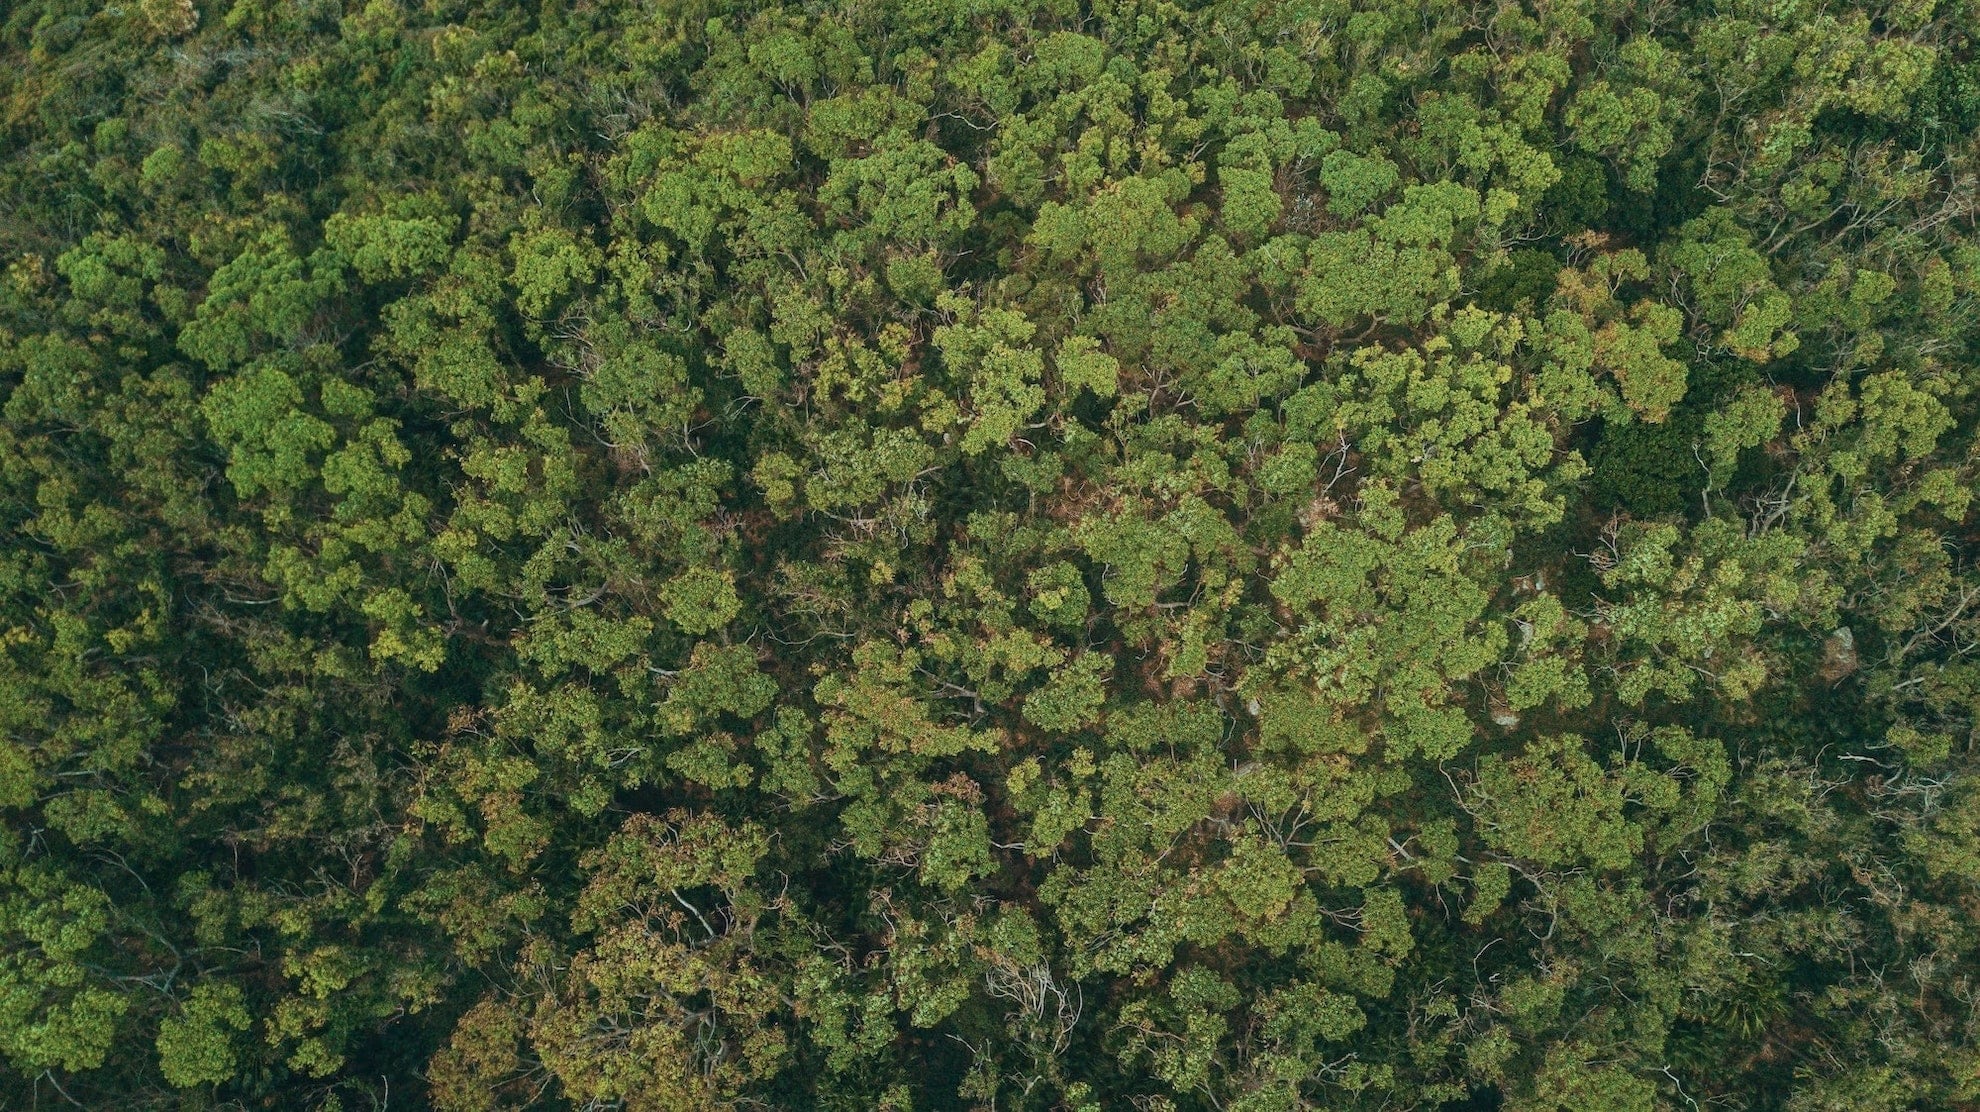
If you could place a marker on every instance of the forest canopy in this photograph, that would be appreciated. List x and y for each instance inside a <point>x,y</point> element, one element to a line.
<point>1056,555</point>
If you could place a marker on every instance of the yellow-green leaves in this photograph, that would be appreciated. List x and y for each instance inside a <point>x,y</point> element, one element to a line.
<point>1071,696</point>
<point>638,391</point>
<point>695,193</point>
<point>911,194</point>
<point>404,631</point>
<point>409,238</point>
<point>1751,419</point>
<point>1628,342</point>
<point>875,706</point>
<point>1683,609</point>
<point>257,301</point>
<point>1082,364</point>
<point>54,1014</point>
<point>1140,556</point>
<point>1042,555</point>
<point>1632,118</point>
<point>1354,182</point>
<point>991,351</point>
<point>1633,352</point>
<point>701,600</point>
<point>196,1047</point>
<point>1735,290</point>
<point>1389,631</point>
<point>550,265</point>
<point>1554,807</point>
<point>719,680</point>
<point>259,414</point>
<point>651,857</point>
<point>670,911</point>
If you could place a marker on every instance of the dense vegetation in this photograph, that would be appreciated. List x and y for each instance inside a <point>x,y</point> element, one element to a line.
<point>1018,554</point>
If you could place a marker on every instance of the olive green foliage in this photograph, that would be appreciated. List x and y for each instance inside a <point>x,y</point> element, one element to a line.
<point>990,554</point>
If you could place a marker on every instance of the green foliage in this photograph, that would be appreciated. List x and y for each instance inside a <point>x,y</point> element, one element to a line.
<point>196,1046</point>
<point>53,1013</point>
<point>700,600</point>
<point>1354,183</point>
<point>1037,556</point>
